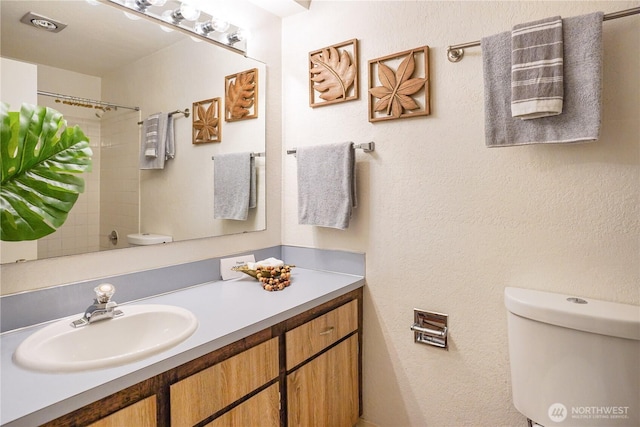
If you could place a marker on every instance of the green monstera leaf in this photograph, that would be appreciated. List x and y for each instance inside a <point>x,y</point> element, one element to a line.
<point>40,159</point>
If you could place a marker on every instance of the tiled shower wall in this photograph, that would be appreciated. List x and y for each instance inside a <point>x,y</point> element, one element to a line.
<point>79,234</point>
<point>110,199</point>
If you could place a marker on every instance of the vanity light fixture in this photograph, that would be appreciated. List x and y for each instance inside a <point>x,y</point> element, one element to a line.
<point>188,19</point>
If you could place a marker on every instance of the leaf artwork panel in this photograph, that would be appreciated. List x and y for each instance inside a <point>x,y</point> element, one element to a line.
<point>399,85</point>
<point>241,96</point>
<point>333,74</point>
<point>206,121</point>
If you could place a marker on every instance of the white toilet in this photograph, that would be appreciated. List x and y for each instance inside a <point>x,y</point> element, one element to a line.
<point>574,361</point>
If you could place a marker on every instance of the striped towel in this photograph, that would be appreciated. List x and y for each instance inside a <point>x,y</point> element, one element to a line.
<point>537,69</point>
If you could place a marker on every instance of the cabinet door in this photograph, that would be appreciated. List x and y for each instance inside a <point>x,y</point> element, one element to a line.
<point>324,392</point>
<point>262,410</point>
<point>140,414</point>
<point>205,393</point>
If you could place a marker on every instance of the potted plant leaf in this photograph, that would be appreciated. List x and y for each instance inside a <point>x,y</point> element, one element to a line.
<point>40,160</point>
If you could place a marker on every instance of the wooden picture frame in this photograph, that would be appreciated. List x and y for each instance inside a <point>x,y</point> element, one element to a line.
<point>206,121</point>
<point>399,85</point>
<point>333,74</point>
<point>241,96</point>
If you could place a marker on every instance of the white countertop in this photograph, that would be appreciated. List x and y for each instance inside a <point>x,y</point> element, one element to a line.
<point>226,310</point>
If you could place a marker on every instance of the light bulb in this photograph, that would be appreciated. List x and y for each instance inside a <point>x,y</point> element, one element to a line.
<point>186,12</point>
<point>205,28</point>
<point>189,12</point>
<point>219,25</point>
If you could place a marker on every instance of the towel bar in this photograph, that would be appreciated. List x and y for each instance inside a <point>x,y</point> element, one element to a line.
<point>252,155</point>
<point>186,113</point>
<point>367,147</point>
<point>456,52</point>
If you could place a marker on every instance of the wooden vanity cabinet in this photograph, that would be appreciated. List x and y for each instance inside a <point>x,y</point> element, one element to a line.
<point>304,371</point>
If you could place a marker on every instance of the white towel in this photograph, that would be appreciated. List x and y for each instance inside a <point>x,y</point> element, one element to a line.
<point>157,142</point>
<point>580,119</point>
<point>537,69</point>
<point>233,186</point>
<point>326,185</point>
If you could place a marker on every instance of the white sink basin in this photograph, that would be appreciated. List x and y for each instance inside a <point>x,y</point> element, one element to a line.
<point>142,331</point>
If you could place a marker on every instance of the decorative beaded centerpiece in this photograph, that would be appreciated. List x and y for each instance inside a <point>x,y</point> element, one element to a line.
<point>271,278</point>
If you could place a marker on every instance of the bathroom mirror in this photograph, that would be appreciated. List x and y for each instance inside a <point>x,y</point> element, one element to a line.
<point>103,55</point>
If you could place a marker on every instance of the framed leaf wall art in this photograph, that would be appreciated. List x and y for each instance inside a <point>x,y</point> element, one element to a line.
<point>333,74</point>
<point>241,96</point>
<point>206,121</point>
<point>399,85</point>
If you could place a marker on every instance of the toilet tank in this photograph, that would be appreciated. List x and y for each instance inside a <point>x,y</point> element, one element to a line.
<point>574,361</point>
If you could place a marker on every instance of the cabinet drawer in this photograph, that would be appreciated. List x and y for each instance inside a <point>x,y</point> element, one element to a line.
<point>319,333</point>
<point>203,394</point>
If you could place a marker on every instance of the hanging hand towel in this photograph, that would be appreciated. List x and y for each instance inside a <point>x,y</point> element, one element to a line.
<point>580,120</point>
<point>233,178</point>
<point>170,142</point>
<point>537,69</point>
<point>157,141</point>
<point>326,185</point>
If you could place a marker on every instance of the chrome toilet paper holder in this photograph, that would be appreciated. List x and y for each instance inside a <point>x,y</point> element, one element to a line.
<point>430,328</point>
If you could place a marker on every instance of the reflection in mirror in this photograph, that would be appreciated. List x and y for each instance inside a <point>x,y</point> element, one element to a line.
<point>103,56</point>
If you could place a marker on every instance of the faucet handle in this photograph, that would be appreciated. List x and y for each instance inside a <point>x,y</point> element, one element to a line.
<point>104,292</point>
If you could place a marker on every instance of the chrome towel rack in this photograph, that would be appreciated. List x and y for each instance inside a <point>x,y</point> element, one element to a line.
<point>456,51</point>
<point>186,112</point>
<point>252,155</point>
<point>367,147</point>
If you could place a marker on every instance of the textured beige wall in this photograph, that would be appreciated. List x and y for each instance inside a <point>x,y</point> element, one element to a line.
<point>447,223</point>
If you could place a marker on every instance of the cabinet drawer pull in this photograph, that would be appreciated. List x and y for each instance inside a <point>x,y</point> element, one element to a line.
<point>327,331</point>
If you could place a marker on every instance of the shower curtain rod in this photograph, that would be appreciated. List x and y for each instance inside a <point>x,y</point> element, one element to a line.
<point>456,52</point>
<point>86,100</point>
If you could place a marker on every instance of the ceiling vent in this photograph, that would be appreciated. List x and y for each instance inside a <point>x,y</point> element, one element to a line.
<point>42,22</point>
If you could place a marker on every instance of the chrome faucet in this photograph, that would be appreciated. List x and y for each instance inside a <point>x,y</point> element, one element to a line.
<point>102,308</point>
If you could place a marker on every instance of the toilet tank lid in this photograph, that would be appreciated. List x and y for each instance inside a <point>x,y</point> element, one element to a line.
<point>148,239</point>
<point>596,316</point>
